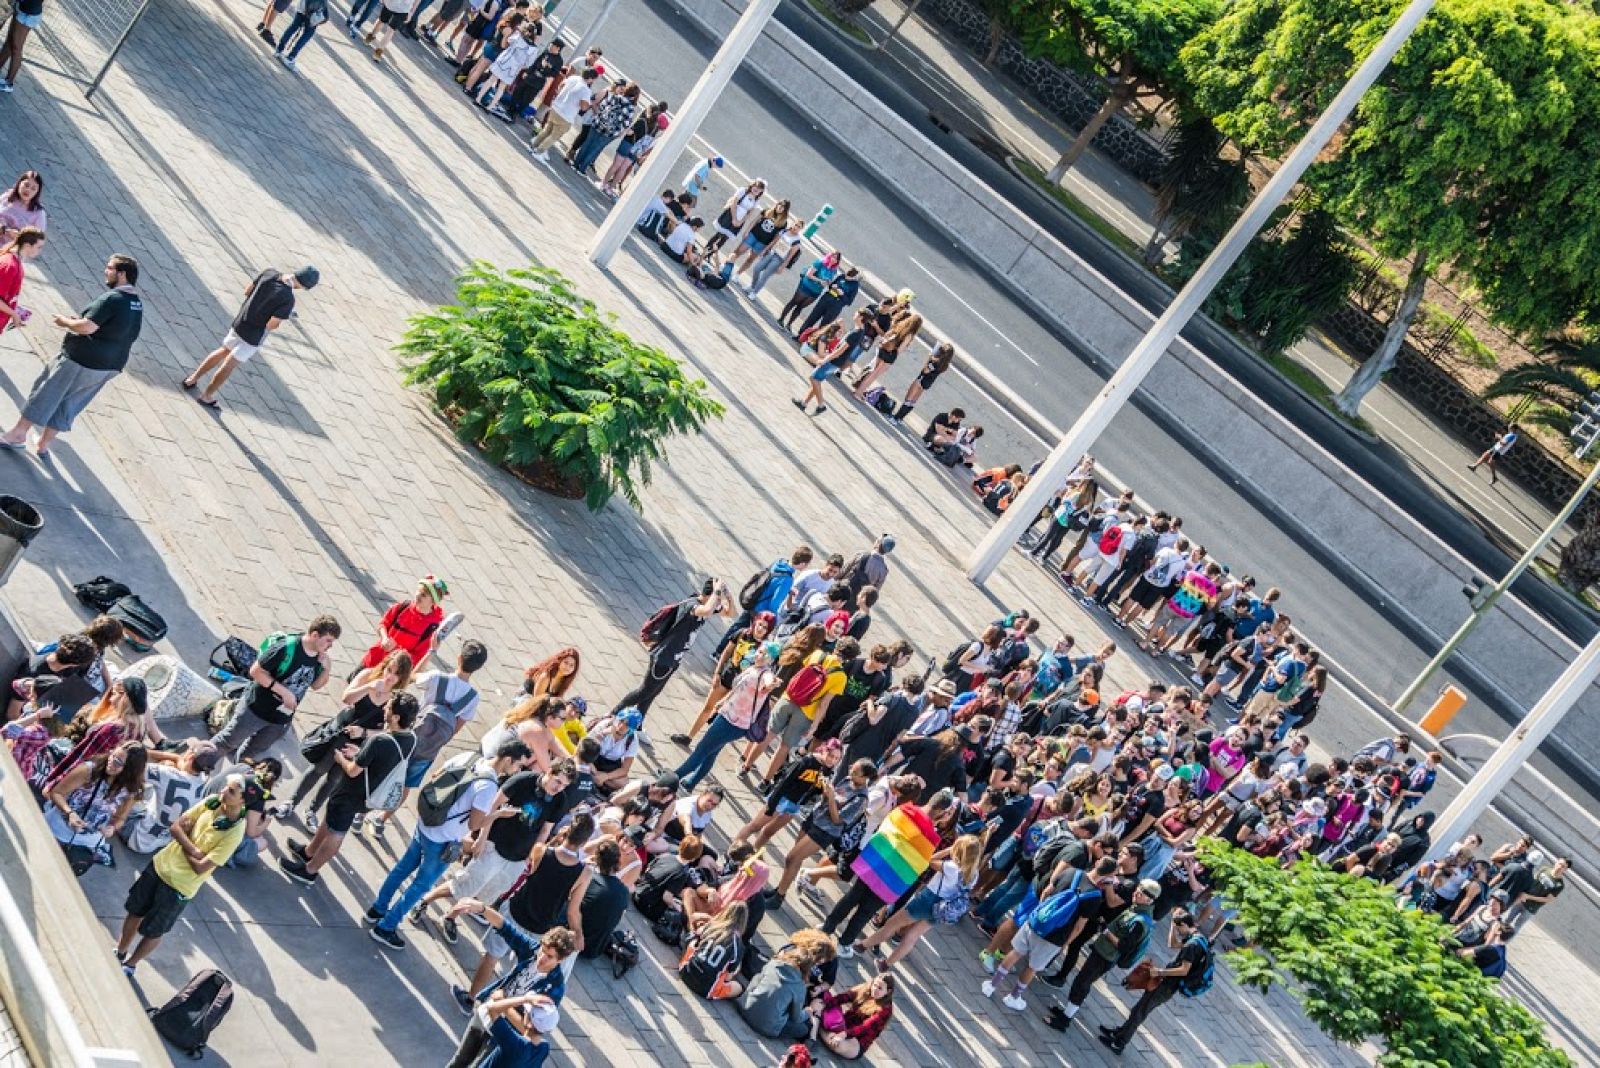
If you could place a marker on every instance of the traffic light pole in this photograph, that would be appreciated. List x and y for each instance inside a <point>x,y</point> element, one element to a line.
<point>1483,602</point>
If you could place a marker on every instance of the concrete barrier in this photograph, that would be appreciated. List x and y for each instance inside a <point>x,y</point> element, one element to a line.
<point>1392,559</point>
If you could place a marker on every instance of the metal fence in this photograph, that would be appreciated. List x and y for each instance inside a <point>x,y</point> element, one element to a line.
<point>81,37</point>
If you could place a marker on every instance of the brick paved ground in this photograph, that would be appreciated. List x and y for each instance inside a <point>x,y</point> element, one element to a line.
<point>324,484</point>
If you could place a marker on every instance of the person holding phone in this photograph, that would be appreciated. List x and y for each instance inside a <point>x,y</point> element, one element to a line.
<point>675,627</point>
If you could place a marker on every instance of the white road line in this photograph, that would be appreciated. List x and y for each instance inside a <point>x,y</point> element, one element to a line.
<point>976,314</point>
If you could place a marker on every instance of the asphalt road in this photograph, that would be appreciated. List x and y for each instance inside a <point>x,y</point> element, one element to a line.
<point>761,135</point>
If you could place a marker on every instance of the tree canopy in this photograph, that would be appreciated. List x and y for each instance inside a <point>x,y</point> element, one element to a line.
<point>1364,968</point>
<point>1475,149</point>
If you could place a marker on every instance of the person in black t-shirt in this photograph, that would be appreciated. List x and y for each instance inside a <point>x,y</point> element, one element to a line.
<point>604,901</point>
<point>674,640</point>
<point>865,678</point>
<point>1187,972</point>
<point>285,671</point>
<point>365,770</point>
<point>268,303</point>
<point>94,352</point>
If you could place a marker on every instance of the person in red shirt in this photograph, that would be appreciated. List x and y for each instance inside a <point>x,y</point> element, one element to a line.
<point>28,243</point>
<point>410,625</point>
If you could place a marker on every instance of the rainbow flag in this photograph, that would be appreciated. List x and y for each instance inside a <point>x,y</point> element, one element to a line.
<point>901,850</point>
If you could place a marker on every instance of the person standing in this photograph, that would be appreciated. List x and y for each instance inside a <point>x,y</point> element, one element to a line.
<point>813,281</point>
<point>1189,974</point>
<point>290,666</point>
<point>668,635</point>
<point>25,18</point>
<point>268,303</point>
<point>1491,456</point>
<point>835,299</point>
<point>308,16</point>
<point>27,243</point>
<point>572,100</point>
<point>868,568</point>
<point>1120,945</point>
<point>938,363</point>
<point>770,589</point>
<point>94,352</point>
<point>203,839</point>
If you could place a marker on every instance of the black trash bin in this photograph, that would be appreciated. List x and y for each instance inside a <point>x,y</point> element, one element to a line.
<point>20,523</point>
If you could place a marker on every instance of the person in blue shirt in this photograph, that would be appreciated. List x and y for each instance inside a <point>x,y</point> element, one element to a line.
<point>514,1037</point>
<point>535,982</point>
<point>839,295</point>
<point>773,595</point>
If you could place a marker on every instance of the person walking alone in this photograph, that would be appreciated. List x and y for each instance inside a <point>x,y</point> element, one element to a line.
<point>268,304</point>
<point>668,635</point>
<point>95,351</point>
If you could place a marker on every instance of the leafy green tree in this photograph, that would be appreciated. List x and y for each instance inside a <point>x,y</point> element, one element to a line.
<point>533,375</point>
<point>1551,391</point>
<point>1131,45</point>
<point>1198,188</point>
<point>1364,968</point>
<point>1473,151</point>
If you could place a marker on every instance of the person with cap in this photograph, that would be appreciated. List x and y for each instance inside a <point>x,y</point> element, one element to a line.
<point>174,782</point>
<point>268,303</point>
<point>203,839</point>
<point>1189,973</point>
<point>934,715</point>
<point>698,178</point>
<point>868,568</point>
<point>410,625</point>
<point>668,634</point>
<point>1120,945</point>
<point>537,982</point>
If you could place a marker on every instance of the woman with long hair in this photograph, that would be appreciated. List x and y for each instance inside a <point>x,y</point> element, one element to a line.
<point>824,824</point>
<point>23,205</point>
<point>907,324</point>
<point>533,721</point>
<point>121,715</point>
<point>768,225</point>
<point>362,713</point>
<point>937,363</point>
<point>850,1021</point>
<point>1071,514</point>
<point>553,675</point>
<point>751,689</point>
<point>737,655</point>
<point>715,950</point>
<point>22,247</point>
<point>801,644</point>
<point>942,900</point>
<point>738,209</point>
<point>92,801</point>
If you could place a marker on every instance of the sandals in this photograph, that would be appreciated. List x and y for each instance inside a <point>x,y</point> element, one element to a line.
<point>213,403</point>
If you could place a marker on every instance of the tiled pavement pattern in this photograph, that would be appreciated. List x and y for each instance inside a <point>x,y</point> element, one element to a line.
<point>325,485</point>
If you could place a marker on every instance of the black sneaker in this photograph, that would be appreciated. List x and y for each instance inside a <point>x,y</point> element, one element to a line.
<point>1056,980</point>
<point>373,915</point>
<point>297,871</point>
<point>449,929</point>
<point>418,915</point>
<point>387,938</point>
<point>267,36</point>
<point>680,739</point>
<point>1111,1043</point>
<point>464,1000</point>
<point>297,848</point>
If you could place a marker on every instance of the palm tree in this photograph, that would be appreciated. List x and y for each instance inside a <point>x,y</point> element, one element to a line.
<point>1549,393</point>
<point>1198,189</point>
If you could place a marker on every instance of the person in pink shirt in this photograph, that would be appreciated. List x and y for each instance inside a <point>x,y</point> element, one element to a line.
<point>23,246</point>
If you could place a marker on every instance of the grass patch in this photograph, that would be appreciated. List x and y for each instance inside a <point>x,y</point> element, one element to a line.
<point>1312,384</point>
<point>841,23</point>
<point>1127,245</point>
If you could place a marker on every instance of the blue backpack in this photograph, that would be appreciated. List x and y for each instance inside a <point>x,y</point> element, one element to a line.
<point>1058,910</point>
<point>1192,985</point>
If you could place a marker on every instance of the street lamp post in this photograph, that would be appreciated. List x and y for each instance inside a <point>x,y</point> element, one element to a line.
<point>1120,387</point>
<point>657,170</point>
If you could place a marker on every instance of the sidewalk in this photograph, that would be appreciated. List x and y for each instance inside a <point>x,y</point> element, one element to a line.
<point>325,485</point>
<point>985,107</point>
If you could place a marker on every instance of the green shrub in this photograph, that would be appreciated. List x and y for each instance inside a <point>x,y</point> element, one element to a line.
<point>536,377</point>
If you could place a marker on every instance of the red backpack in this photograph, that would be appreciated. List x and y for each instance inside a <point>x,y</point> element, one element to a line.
<point>1111,540</point>
<point>655,628</point>
<point>806,684</point>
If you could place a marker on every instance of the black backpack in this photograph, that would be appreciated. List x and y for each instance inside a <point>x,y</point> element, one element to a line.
<point>190,1016</point>
<point>1142,551</point>
<point>754,587</point>
<point>670,927</point>
<point>622,950</point>
<point>142,626</point>
<point>100,592</point>
<point>436,799</point>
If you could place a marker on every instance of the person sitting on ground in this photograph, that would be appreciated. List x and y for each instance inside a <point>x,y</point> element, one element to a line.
<point>537,972</point>
<point>774,1002</point>
<point>174,783</point>
<point>711,961</point>
<point>660,889</point>
<point>605,899</point>
<point>679,241</point>
<point>849,1022</point>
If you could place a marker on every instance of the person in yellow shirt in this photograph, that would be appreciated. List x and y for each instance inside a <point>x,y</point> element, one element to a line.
<point>203,839</point>
<point>806,699</point>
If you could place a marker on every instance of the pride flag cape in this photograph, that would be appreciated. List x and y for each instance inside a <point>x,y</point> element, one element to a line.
<point>901,850</point>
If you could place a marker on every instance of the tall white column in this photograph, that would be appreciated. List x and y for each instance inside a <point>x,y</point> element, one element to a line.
<point>656,174</point>
<point>1119,388</point>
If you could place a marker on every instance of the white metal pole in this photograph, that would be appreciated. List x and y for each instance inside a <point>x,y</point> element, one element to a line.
<point>1514,752</point>
<point>557,25</point>
<point>594,28</point>
<point>1120,387</point>
<point>657,170</point>
<point>1495,592</point>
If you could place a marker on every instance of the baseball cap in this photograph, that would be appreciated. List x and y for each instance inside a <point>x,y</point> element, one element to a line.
<point>1164,772</point>
<point>308,276</point>
<point>204,756</point>
<point>667,780</point>
<point>632,717</point>
<point>717,161</point>
<point>905,296</point>
<point>1151,888</point>
<point>139,695</point>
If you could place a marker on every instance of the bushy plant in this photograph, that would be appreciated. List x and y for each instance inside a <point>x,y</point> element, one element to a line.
<point>531,373</point>
<point>1364,968</point>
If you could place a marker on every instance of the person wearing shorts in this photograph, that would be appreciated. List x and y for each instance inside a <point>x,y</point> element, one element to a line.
<point>269,14</point>
<point>26,15</point>
<point>268,303</point>
<point>203,840</point>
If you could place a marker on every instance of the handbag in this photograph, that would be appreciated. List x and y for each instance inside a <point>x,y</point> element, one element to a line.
<point>1142,977</point>
<point>759,724</point>
<point>833,1019</point>
<point>83,848</point>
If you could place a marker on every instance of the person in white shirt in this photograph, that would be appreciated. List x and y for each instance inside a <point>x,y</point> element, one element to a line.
<point>680,242</point>
<point>573,99</point>
<point>517,56</point>
<point>174,783</point>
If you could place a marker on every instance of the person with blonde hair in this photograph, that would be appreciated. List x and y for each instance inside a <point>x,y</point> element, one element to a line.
<point>904,326</point>
<point>943,900</point>
<point>533,721</point>
<point>710,962</point>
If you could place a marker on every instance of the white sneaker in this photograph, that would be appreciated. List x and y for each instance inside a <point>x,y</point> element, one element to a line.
<point>810,889</point>
<point>846,952</point>
<point>1014,1001</point>
<point>6,87</point>
<point>310,821</point>
<point>988,988</point>
<point>543,158</point>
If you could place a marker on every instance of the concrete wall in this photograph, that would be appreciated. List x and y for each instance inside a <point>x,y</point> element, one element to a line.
<point>1381,547</point>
